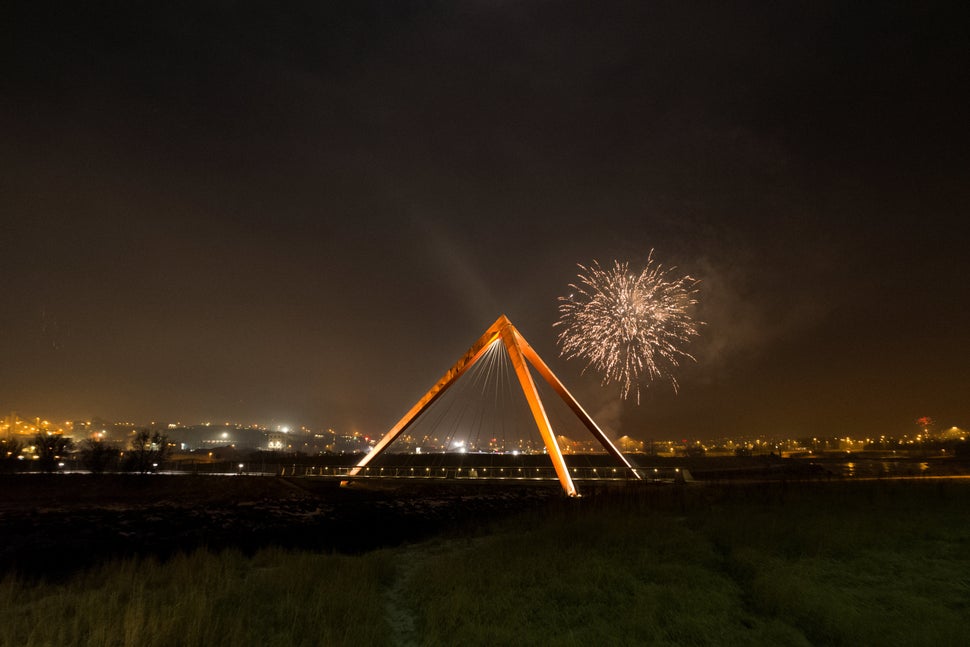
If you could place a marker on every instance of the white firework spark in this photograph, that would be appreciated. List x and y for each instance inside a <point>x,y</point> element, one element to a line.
<point>631,328</point>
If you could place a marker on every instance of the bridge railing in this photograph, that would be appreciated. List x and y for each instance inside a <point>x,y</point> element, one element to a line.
<point>482,473</point>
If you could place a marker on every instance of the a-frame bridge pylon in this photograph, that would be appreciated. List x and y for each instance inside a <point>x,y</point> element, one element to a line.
<point>519,352</point>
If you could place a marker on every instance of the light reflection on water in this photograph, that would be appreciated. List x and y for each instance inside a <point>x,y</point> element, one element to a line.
<point>877,468</point>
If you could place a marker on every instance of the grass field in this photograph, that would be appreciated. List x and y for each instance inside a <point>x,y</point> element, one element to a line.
<point>857,563</point>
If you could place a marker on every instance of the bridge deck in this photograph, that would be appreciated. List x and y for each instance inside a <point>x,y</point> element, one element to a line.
<point>486,474</point>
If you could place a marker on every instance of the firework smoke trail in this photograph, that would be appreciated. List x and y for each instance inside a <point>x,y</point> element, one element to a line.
<point>631,328</point>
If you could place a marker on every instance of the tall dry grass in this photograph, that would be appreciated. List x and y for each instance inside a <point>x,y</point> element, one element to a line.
<point>271,598</point>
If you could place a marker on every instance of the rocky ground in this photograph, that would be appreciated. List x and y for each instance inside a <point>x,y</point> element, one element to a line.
<point>52,525</point>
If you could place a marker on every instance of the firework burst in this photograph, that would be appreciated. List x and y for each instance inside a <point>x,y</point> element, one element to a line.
<point>631,328</point>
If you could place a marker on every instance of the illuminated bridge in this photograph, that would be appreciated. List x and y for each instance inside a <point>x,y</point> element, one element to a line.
<point>471,473</point>
<point>492,389</point>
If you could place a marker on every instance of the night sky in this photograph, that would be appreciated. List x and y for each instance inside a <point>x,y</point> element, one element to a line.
<point>304,213</point>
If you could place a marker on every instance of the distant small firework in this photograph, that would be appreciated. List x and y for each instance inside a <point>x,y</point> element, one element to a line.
<point>629,327</point>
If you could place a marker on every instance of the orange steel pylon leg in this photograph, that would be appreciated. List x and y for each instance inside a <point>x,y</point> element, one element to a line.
<point>519,352</point>
<point>538,411</point>
<point>568,398</point>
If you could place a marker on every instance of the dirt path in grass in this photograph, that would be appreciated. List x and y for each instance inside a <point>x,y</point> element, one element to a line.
<point>397,610</point>
<point>412,560</point>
